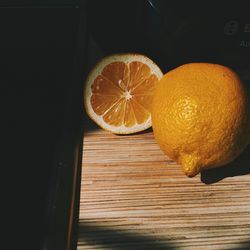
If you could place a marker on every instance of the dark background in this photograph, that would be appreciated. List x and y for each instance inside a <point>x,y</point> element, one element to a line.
<point>37,51</point>
<point>173,32</point>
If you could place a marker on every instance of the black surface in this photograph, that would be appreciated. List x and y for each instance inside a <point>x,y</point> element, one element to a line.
<point>174,32</point>
<point>118,26</point>
<point>199,31</point>
<point>38,49</point>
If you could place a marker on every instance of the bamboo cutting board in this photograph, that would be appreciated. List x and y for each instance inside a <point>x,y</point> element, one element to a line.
<point>134,197</point>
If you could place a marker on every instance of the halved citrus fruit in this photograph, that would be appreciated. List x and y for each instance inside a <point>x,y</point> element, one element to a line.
<point>119,91</point>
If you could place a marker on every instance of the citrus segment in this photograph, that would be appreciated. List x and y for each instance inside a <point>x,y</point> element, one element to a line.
<point>102,103</point>
<point>141,114</point>
<point>146,87</point>
<point>129,118</point>
<point>115,114</point>
<point>116,72</point>
<point>138,72</point>
<point>118,92</point>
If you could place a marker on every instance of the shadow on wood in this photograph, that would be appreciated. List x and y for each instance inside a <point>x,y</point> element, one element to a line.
<point>149,130</point>
<point>243,246</point>
<point>240,166</point>
<point>91,234</point>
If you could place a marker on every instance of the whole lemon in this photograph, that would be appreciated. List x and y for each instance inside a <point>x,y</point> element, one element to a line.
<point>200,116</point>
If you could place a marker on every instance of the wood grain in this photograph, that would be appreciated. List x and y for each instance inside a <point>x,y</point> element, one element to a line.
<point>134,197</point>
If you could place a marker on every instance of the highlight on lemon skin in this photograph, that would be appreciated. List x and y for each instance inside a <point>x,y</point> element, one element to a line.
<point>119,91</point>
<point>200,116</point>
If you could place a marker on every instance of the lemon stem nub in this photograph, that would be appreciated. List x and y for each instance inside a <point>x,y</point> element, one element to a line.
<point>190,165</point>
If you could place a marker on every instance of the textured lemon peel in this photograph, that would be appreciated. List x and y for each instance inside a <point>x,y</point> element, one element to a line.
<point>195,125</point>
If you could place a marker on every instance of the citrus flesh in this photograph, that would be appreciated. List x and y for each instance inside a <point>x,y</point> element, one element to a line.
<point>119,91</point>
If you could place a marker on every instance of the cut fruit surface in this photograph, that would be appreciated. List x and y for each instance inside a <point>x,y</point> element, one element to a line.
<point>119,90</point>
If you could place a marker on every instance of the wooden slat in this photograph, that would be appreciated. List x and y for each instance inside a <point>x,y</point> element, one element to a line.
<point>135,197</point>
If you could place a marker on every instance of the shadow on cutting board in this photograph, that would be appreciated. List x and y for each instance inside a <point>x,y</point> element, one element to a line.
<point>112,238</point>
<point>244,245</point>
<point>240,166</point>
